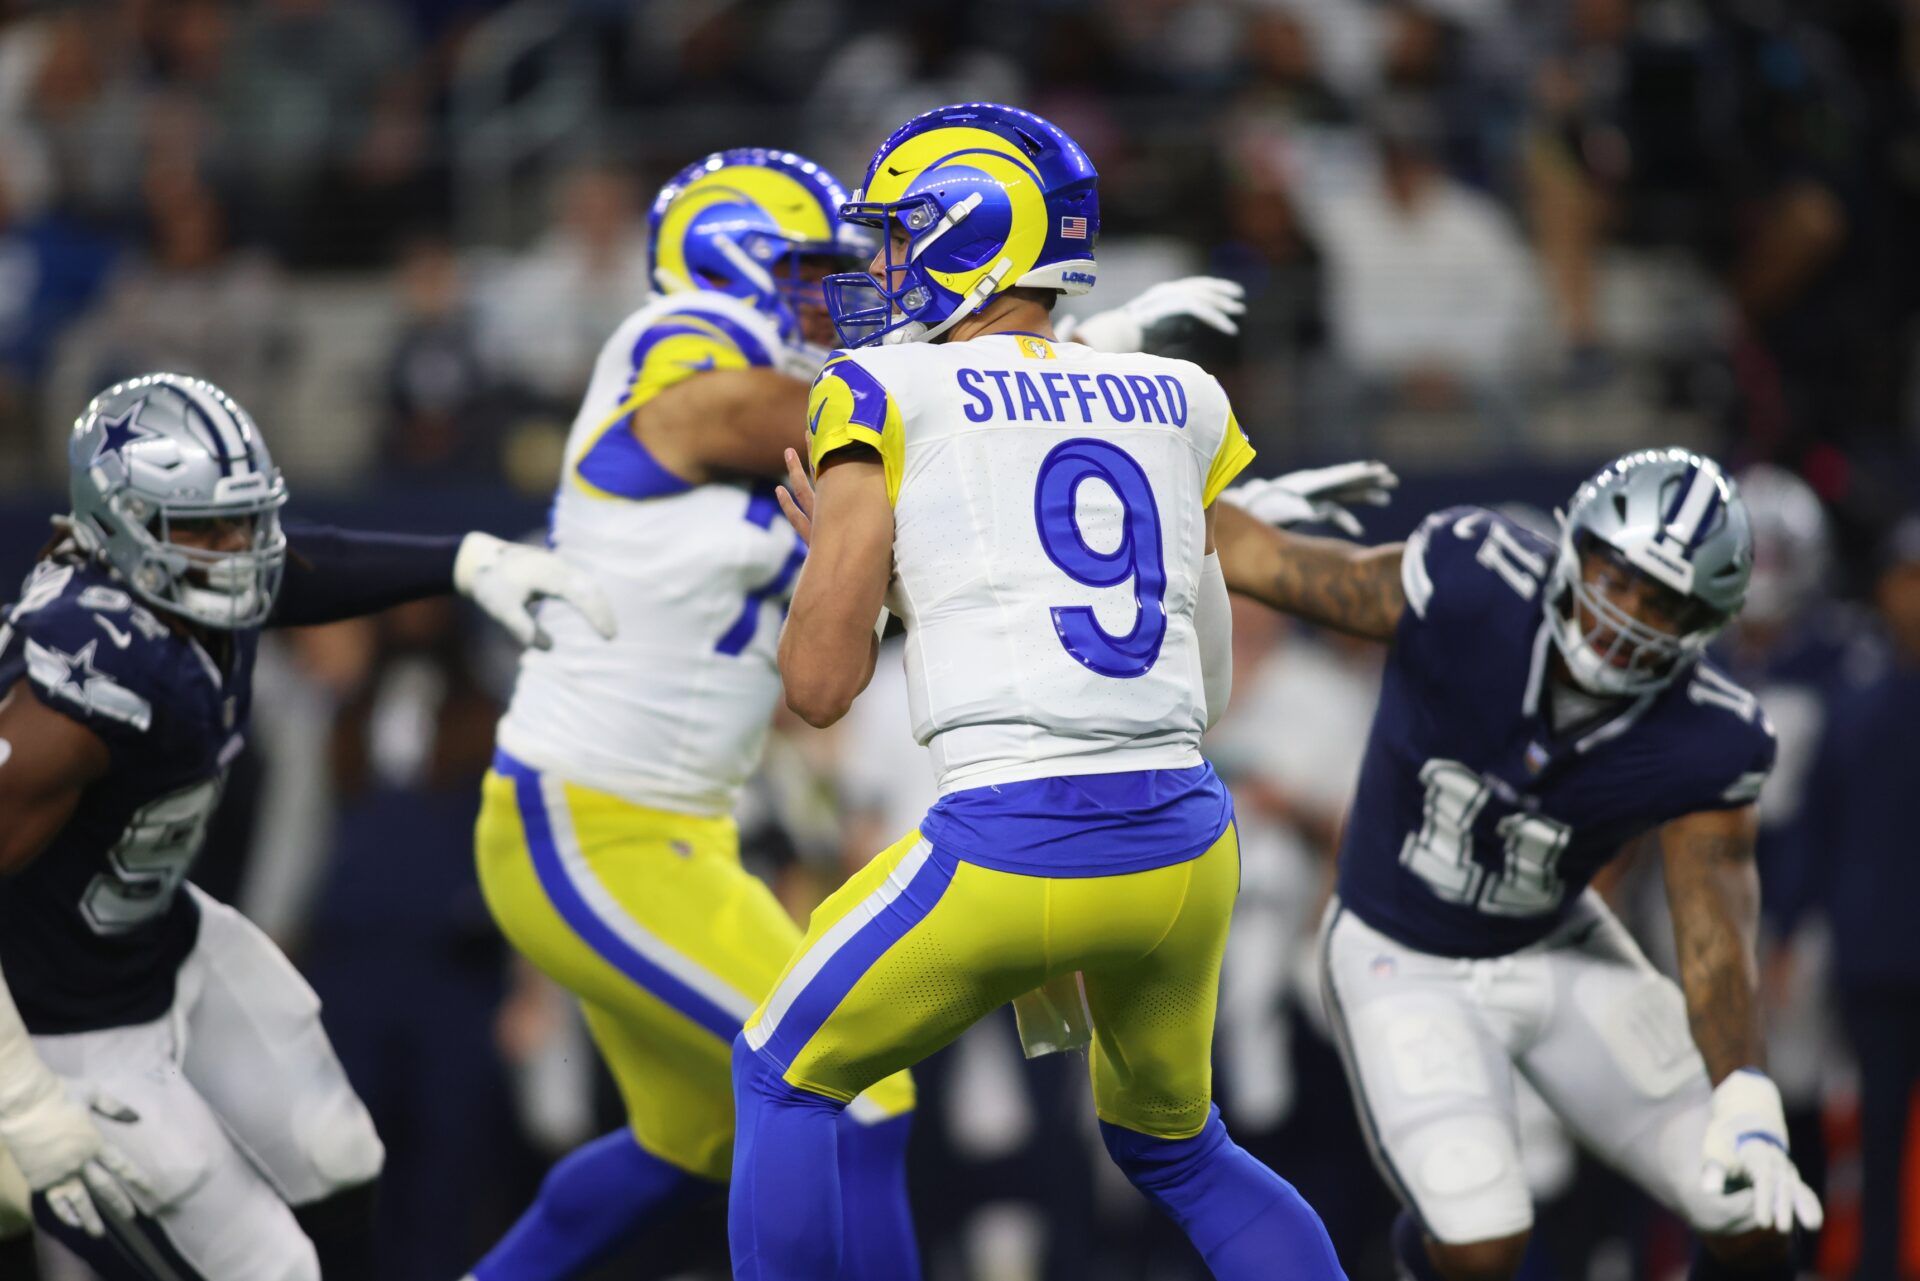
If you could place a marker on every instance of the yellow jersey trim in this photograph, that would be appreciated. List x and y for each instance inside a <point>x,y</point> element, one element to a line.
<point>1229,460</point>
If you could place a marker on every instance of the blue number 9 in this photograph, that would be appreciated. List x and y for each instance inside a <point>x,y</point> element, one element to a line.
<point>1137,557</point>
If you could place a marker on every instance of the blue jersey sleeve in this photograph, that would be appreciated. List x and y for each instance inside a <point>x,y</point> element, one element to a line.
<point>1461,570</point>
<point>1736,743</point>
<point>339,573</point>
<point>88,650</point>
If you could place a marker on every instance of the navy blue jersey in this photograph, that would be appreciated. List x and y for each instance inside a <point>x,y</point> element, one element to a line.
<point>1475,826</point>
<point>94,928</point>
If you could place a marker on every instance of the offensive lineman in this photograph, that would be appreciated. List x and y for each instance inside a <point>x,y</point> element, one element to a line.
<point>165,1083</point>
<point>1542,708</point>
<point>606,843</point>
<point>1039,516</point>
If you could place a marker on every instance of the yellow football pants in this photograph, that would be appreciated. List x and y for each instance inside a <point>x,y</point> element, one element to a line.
<point>650,920</point>
<point>918,946</point>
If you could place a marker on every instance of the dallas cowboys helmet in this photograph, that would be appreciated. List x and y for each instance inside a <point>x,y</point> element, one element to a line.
<point>1792,546</point>
<point>150,457</point>
<point>991,198</point>
<point>1673,517</point>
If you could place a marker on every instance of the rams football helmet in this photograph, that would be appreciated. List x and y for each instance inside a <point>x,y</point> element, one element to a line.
<point>989,198</point>
<point>746,222</point>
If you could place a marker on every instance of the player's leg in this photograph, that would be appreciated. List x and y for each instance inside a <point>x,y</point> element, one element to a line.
<point>1153,1016</point>
<point>876,1217</point>
<point>255,1050</point>
<point>1618,1063</point>
<point>650,919</point>
<point>662,1038</point>
<point>904,957</point>
<point>1433,1084</point>
<point>212,1215</point>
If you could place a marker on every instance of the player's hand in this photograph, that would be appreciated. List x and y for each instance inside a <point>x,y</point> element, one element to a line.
<point>60,1150</point>
<point>1210,300</point>
<point>1317,494</point>
<point>1746,1146</point>
<point>506,579</point>
<point>796,498</point>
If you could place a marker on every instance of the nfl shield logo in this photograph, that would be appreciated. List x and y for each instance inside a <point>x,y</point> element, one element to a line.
<point>1073,228</point>
<point>1383,967</point>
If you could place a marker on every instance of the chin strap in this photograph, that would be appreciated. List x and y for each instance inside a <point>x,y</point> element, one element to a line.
<point>980,295</point>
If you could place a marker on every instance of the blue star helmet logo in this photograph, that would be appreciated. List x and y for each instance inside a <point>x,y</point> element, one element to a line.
<point>121,432</point>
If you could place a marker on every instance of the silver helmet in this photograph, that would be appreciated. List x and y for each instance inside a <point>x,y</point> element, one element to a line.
<point>1791,543</point>
<point>154,457</point>
<point>1672,518</point>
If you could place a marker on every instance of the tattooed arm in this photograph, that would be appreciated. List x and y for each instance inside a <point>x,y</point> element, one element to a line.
<point>1714,893</point>
<point>1329,581</point>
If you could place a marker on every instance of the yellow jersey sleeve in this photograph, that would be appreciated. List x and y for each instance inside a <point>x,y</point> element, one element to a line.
<point>849,406</point>
<point>683,343</point>
<point>1229,460</point>
<point>674,348</point>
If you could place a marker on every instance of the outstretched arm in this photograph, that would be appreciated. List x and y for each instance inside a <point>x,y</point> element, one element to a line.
<point>828,645</point>
<point>1714,893</point>
<point>1329,581</point>
<point>337,573</point>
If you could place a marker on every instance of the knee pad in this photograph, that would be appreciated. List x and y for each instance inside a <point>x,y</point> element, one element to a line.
<point>339,1140</point>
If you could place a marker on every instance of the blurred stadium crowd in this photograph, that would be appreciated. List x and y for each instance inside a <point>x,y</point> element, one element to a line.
<point>1492,241</point>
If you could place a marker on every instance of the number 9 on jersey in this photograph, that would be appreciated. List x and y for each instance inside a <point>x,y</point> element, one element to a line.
<point>1137,557</point>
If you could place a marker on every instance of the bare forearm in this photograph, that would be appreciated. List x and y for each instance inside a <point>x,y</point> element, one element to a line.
<point>1719,979</point>
<point>733,422</point>
<point>1714,895</point>
<point>827,647</point>
<point>1328,581</point>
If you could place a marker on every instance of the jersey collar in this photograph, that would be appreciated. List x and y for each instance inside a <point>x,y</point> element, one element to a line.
<point>1530,703</point>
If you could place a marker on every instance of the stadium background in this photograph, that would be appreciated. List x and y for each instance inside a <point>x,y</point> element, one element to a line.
<point>1491,241</point>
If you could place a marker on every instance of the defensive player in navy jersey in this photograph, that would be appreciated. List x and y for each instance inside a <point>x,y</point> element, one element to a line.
<point>165,1084</point>
<point>1542,707</point>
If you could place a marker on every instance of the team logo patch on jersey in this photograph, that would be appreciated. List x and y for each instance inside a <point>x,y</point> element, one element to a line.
<point>1034,348</point>
<point>75,678</point>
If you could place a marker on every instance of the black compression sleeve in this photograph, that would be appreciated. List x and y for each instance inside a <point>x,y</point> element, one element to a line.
<point>339,573</point>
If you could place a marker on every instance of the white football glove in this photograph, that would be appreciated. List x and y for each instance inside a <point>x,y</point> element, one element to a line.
<point>1317,494</point>
<point>59,1149</point>
<point>1746,1146</point>
<point>506,579</point>
<point>1208,299</point>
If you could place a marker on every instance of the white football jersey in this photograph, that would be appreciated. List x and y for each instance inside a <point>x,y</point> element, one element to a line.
<point>1049,530</point>
<point>673,711</point>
